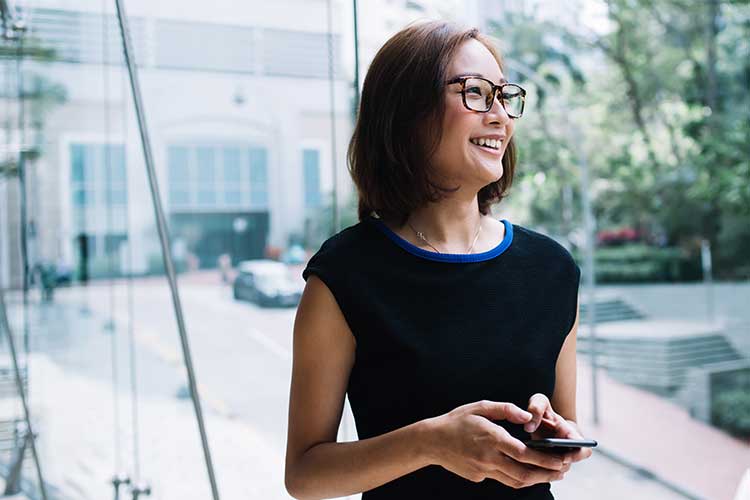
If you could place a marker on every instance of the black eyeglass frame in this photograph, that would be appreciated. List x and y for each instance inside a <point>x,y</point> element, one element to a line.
<point>495,88</point>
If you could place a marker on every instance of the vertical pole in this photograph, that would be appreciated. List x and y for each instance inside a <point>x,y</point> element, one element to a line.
<point>590,274</point>
<point>332,108</point>
<point>708,278</point>
<point>161,225</point>
<point>19,28</point>
<point>356,61</point>
<point>5,326</point>
<point>332,92</point>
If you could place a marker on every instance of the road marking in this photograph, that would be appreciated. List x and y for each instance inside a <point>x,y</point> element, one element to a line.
<point>270,344</point>
<point>263,339</point>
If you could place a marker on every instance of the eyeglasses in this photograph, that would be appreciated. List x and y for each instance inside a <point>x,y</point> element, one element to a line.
<point>478,94</point>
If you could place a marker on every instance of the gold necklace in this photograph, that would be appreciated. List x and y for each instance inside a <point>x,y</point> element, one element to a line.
<point>421,236</point>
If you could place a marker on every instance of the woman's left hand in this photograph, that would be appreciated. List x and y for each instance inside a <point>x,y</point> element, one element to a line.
<point>545,423</point>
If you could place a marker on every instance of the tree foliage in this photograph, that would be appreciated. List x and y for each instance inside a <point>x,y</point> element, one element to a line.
<point>663,102</point>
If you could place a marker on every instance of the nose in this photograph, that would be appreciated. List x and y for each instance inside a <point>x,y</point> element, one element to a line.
<point>497,113</point>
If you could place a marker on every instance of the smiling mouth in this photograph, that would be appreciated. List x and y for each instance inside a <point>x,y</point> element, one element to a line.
<point>490,145</point>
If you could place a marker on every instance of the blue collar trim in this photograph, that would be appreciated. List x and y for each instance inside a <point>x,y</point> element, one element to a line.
<point>449,257</point>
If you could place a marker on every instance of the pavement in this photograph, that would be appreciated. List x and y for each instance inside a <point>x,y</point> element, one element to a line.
<point>660,438</point>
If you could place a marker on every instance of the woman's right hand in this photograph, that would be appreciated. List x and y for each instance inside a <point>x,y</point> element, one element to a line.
<point>467,443</point>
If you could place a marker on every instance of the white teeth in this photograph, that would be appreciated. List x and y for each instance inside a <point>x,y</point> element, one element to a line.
<point>490,143</point>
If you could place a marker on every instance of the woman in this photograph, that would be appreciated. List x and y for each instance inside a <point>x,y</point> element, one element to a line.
<point>452,333</point>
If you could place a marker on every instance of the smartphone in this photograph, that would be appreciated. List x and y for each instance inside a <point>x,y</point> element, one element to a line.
<point>559,445</point>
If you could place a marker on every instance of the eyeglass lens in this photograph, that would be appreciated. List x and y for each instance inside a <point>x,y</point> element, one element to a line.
<point>479,96</point>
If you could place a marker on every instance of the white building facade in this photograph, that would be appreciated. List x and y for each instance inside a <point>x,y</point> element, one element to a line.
<point>237,102</point>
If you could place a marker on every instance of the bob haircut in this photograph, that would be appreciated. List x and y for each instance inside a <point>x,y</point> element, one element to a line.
<point>400,119</point>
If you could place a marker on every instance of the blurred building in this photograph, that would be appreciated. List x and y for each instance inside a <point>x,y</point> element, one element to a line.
<point>239,114</point>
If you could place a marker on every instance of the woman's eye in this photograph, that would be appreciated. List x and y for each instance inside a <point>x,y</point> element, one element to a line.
<point>474,90</point>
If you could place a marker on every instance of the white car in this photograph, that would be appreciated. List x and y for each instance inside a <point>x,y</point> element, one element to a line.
<point>267,283</point>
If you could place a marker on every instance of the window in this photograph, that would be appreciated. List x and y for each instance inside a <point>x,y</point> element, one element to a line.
<point>179,178</point>
<point>258,179</point>
<point>206,167</point>
<point>311,176</point>
<point>204,46</point>
<point>232,177</point>
<point>217,177</point>
<point>99,191</point>
<point>298,53</point>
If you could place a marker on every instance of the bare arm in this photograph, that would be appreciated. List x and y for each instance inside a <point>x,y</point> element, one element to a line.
<point>564,397</point>
<point>331,470</point>
<point>316,465</point>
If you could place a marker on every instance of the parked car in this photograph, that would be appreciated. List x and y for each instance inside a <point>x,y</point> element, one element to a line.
<point>266,283</point>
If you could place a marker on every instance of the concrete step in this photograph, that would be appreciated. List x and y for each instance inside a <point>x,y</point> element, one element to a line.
<point>610,309</point>
<point>657,354</point>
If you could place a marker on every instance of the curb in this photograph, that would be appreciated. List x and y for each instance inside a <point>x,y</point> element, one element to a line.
<point>647,473</point>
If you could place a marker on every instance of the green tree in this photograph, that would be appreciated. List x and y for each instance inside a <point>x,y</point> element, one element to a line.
<point>666,120</point>
<point>537,51</point>
<point>683,72</point>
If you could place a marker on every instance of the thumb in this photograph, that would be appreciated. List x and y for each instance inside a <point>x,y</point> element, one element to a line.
<point>494,410</point>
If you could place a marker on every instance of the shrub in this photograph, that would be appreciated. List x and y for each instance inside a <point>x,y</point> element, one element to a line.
<point>731,411</point>
<point>638,262</point>
<point>730,405</point>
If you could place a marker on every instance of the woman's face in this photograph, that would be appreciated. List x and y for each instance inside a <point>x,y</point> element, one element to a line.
<point>457,159</point>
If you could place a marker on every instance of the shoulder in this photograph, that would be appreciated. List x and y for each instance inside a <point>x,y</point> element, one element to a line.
<point>539,246</point>
<point>339,250</point>
<point>346,240</point>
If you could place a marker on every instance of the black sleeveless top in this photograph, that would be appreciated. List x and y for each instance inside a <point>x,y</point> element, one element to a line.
<point>437,331</point>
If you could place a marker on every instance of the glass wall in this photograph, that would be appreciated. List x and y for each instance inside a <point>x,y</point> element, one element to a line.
<point>249,111</point>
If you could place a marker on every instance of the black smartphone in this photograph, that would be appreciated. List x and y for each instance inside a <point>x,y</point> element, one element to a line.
<point>559,445</point>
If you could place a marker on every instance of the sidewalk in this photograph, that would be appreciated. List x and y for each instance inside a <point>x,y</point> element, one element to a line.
<point>661,437</point>
<point>75,423</point>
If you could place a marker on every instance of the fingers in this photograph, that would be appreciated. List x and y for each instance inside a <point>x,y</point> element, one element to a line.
<point>548,428</point>
<point>578,455</point>
<point>501,411</point>
<point>569,430</point>
<point>539,407</point>
<point>504,478</point>
<point>515,449</point>
<point>566,430</point>
<point>522,475</point>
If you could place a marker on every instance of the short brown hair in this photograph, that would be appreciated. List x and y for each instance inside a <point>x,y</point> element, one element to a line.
<point>399,123</point>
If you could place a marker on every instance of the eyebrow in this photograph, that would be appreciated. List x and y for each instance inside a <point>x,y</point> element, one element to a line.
<point>502,80</point>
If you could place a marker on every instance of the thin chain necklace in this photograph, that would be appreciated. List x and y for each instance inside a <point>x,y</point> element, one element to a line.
<point>420,235</point>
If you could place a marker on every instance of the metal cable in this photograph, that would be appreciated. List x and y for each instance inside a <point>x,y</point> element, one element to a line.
<point>22,184</point>
<point>332,95</point>
<point>108,191</point>
<point>135,411</point>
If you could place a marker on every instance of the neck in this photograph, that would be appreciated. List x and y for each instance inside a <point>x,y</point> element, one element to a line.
<point>450,226</point>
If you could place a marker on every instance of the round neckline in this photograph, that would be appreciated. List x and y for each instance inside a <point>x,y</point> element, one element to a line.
<point>448,257</point>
